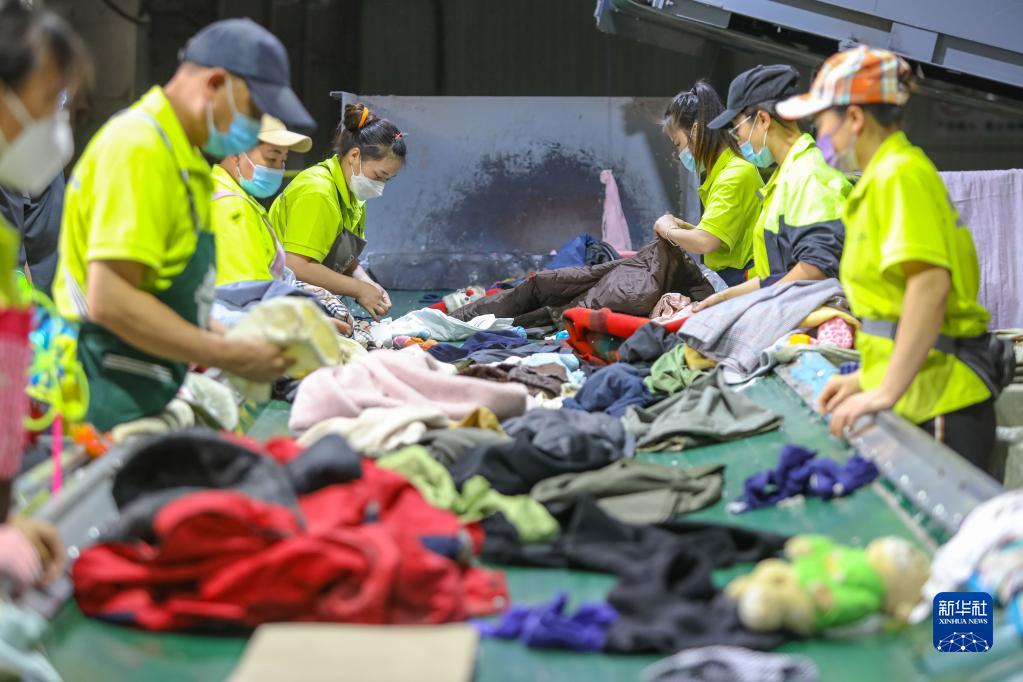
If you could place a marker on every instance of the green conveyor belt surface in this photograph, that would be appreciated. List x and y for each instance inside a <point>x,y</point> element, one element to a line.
<point>89,651</point>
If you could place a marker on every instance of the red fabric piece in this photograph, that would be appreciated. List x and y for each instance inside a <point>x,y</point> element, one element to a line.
<point>283,449</point>
<point>595,335</point>
<point>439,305</point>
<point>223,559</point>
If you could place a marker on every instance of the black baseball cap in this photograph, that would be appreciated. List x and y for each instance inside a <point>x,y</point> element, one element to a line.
<point>245,48</point>
<point>758,85</point>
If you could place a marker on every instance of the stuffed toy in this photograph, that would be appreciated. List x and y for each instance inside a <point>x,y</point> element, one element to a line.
<point>824,585</point>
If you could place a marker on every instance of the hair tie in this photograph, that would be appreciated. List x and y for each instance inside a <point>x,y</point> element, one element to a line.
<point>365,115</point>
<point>397,136</point>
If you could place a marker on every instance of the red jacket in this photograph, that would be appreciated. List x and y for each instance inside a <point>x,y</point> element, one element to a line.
<point>224,559</point>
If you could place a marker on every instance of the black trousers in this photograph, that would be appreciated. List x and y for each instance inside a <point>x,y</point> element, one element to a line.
<point>969,431</point>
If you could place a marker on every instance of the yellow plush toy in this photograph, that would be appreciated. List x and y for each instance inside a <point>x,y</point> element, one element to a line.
<point>825,585</point>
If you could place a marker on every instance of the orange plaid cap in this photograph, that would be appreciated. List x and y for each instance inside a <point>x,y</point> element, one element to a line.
<point>863,75</point>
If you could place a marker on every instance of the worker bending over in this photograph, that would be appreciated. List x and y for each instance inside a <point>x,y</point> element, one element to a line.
<point>728,191</point>
<point>798,234</point>
<point>321,216</point>
<point>909,268</point>
<point>137,261</point>
<point>248,247</point>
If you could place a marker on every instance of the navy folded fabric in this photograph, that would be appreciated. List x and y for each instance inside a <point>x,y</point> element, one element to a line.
<point>501,340</point>
<point>612,389</point>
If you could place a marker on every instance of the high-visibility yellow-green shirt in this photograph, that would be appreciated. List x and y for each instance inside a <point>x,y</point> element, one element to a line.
<point>800,212</point>
<point>245,246</point>
<point>899,212</point>
<point>126,200</point>
<point>311,212</point>
<point>730,209</point>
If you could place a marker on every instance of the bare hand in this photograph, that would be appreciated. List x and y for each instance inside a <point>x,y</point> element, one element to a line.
<point>859,405</point>
<point>343,328</point>
<point>254,359</point>
<point>383,292</point>
<point>373,299</point>
<point>664,225</point>
<point>709,302</point>
<point>837,390</point>
<point>47,544</point>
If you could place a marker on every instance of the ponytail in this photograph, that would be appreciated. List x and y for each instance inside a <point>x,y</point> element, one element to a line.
<point>375,137</point>
<point>690,112</point>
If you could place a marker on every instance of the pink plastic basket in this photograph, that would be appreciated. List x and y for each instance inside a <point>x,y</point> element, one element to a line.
<point>15,357</point>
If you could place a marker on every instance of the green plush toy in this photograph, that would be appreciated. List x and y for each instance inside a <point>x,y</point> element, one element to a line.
<point>825,585</point>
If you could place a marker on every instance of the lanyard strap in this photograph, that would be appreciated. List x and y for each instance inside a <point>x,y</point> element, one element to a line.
<point>182,173</point>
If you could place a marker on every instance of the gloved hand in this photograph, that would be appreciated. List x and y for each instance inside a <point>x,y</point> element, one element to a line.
<point>20,632</point>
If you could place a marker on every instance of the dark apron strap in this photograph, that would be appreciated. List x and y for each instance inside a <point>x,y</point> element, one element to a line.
<point>991,358</point>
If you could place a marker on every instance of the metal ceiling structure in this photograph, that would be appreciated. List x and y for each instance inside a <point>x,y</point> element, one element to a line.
<point>967,53</point>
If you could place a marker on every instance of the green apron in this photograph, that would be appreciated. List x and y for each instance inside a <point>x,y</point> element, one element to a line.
<point>126,383</point>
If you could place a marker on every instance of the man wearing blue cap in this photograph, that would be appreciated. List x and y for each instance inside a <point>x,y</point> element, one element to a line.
<point>136,268</point>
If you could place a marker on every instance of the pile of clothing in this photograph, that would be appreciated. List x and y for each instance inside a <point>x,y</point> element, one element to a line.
<point>480,436</point>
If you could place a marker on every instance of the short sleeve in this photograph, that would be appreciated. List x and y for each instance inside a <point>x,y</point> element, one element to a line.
<point>132,211</point>
<point>911,213</point>
<point>311,224</point>
<point>725,215</point>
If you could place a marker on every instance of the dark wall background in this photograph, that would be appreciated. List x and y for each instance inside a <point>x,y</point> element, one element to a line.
<point>464,48</point>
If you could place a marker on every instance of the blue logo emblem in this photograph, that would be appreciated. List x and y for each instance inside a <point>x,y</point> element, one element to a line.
<point>963,622</point>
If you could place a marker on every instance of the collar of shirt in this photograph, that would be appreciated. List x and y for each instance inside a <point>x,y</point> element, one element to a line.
<point>224,180</point>
<point>799,147</point>
<point>724,157</point>
<point>893,144</point>
<point>334,164</point>
<point>188,157</point>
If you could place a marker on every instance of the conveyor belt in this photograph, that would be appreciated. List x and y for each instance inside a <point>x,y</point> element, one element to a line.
<point>89,651</point>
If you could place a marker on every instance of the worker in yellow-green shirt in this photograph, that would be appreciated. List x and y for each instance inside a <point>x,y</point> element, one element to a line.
<point>724,234</point>
<point>248,249</point>
<point>137,258</point>
<point>321,215</point>
<point>798,234</point>
<point>909,268</point>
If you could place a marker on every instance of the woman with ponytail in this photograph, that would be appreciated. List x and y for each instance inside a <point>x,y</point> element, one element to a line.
<point>728,188</point>
<point>321,217</point>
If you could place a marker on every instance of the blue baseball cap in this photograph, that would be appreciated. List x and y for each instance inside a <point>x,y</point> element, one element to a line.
<point>245,48</point>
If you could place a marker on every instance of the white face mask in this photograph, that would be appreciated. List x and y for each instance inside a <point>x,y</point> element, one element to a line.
<point>32,160</point>
<point>363,188</point>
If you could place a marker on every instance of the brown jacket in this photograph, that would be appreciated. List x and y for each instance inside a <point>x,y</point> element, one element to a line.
<point>630,285</point>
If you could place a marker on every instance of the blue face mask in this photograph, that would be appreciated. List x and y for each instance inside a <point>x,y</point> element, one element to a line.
<point>762,159</point>
<point>688,160</point>
<point>265,181</point>
<point>242,135</point>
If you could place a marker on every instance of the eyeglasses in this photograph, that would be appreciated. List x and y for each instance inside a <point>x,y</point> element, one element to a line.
<point>734,130</point>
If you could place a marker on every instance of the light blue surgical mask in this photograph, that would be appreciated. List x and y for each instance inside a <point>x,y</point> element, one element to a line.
<point>265,180</point>
<point>762,159</point>
<point>241,135</point>
<point>689,161</point>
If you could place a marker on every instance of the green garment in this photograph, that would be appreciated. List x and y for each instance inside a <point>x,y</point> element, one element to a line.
<point>476,501</point>
<point>670,374</point>
<point>708,411</point>
<point>855,590</point>
<point>635,491</point>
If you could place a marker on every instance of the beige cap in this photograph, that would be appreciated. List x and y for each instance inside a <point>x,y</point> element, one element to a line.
<point>273,131</point>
